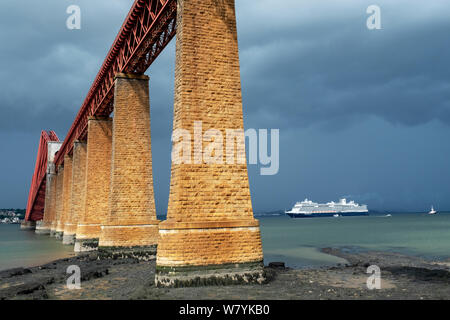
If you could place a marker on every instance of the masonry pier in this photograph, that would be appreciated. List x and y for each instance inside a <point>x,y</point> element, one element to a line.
<point>131,228</point>
<point>99,193</point>
<point>78,192</point>
<point>57,226</point>
<point>210,235</point>
<point>97,184</point>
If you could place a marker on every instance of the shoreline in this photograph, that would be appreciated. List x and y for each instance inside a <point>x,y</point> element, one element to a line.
<point>402,277</point>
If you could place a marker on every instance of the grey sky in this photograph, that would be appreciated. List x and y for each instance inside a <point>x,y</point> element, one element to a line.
<point>361,113</point>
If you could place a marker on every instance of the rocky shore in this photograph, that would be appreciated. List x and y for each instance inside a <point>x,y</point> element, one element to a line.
<point>402,277</point>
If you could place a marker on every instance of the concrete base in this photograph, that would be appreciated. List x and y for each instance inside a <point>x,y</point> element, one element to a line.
<point>69,239</point>
<point>42,228</point>
<point>85,245</point>
<point>59,235</point>
<point>42,231</point>
<point>28,225</point>
<point>142,253</point>
<point>219,275</point>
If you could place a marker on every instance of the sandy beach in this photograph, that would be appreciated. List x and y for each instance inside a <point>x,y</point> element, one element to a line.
<point>402,277</point>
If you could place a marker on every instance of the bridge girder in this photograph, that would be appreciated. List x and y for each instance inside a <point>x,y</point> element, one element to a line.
<point>148,28</point>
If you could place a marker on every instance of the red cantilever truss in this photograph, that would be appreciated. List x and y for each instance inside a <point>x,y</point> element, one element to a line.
<point>36,197</point>
<point>148,28</point>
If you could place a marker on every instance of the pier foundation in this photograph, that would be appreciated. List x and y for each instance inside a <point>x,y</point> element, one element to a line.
<point>210,235</point>
<point>67,196</point>
<point>78,192</point>
<point>97,184</point>
<point>58,226</point>
<point>28,225</point>
<point>44,226</point>
<point>130,228</point>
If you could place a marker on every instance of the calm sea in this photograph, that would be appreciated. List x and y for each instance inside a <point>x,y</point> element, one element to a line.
<point>26,249</point>
<point>294,241</point>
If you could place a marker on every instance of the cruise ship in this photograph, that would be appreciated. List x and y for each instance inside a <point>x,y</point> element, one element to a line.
<point>309,209</point>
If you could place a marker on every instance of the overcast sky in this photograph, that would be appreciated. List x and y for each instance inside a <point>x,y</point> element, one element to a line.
<point>362,113</point>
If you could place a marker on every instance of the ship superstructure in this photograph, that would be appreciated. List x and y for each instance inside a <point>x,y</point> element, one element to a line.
<point>308,208</point>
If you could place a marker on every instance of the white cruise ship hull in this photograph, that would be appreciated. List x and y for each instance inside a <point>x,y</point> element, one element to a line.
<point>326,214</point>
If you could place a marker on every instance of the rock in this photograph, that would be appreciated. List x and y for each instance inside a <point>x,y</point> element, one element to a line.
<point>22,289</point>
<point>94,272</point>
<point>277,265</point>
<point>14,272</point>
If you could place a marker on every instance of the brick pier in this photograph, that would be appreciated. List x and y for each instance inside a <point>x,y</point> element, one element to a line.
<point>44,226</point>
<point>101,197</point>
<point>131,227</point>
<point>98,176</point>
<point>58,225</point>
<point>210,235</point>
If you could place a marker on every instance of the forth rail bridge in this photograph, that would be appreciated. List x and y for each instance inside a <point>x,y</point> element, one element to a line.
<point>94,190</point>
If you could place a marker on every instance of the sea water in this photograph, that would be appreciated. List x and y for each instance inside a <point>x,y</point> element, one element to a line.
<point>27,249</point>
<point>297,242</point>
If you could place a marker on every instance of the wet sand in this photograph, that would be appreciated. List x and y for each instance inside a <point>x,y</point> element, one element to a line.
<point>402,277</point>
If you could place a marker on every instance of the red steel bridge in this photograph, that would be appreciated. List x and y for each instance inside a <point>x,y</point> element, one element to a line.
<point>148,28</point>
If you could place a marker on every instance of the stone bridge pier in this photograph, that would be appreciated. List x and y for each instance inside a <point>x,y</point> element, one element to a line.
<point>44,226</point>
<point>210,235</point>
<point>101,197</point>
<point>94,198</point>
<point>130,228</point>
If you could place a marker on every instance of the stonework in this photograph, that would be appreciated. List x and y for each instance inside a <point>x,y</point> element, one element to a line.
<point>78,192</point>
<point>67,195</point>
<point>44,226</point>
<point>210,221</point>
<point>52,206</point>
<point>28,225</point>
<point>97,184</point>
<point>57,225</point>
<point>131,226</point>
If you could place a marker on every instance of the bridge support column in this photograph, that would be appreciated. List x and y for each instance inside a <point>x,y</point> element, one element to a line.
<point>28,225</point>
<point>53,205</point>
<point>97,184</point>
<point>131,228</point>
<point>210,235</point>
<point>78,192</point>
<point>58,226</point>
<point>44,226</point>
<point>67,195</point>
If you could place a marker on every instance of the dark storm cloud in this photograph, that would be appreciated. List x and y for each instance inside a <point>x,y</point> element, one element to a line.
<point>46,69</point>
<point>315,61</point>
<point>309,67</point>
<point>302,62</point>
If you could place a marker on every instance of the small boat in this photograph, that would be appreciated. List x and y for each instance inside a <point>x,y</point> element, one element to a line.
<point>389,215</point>
<point>336,215</point>
<point>432,211</point>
